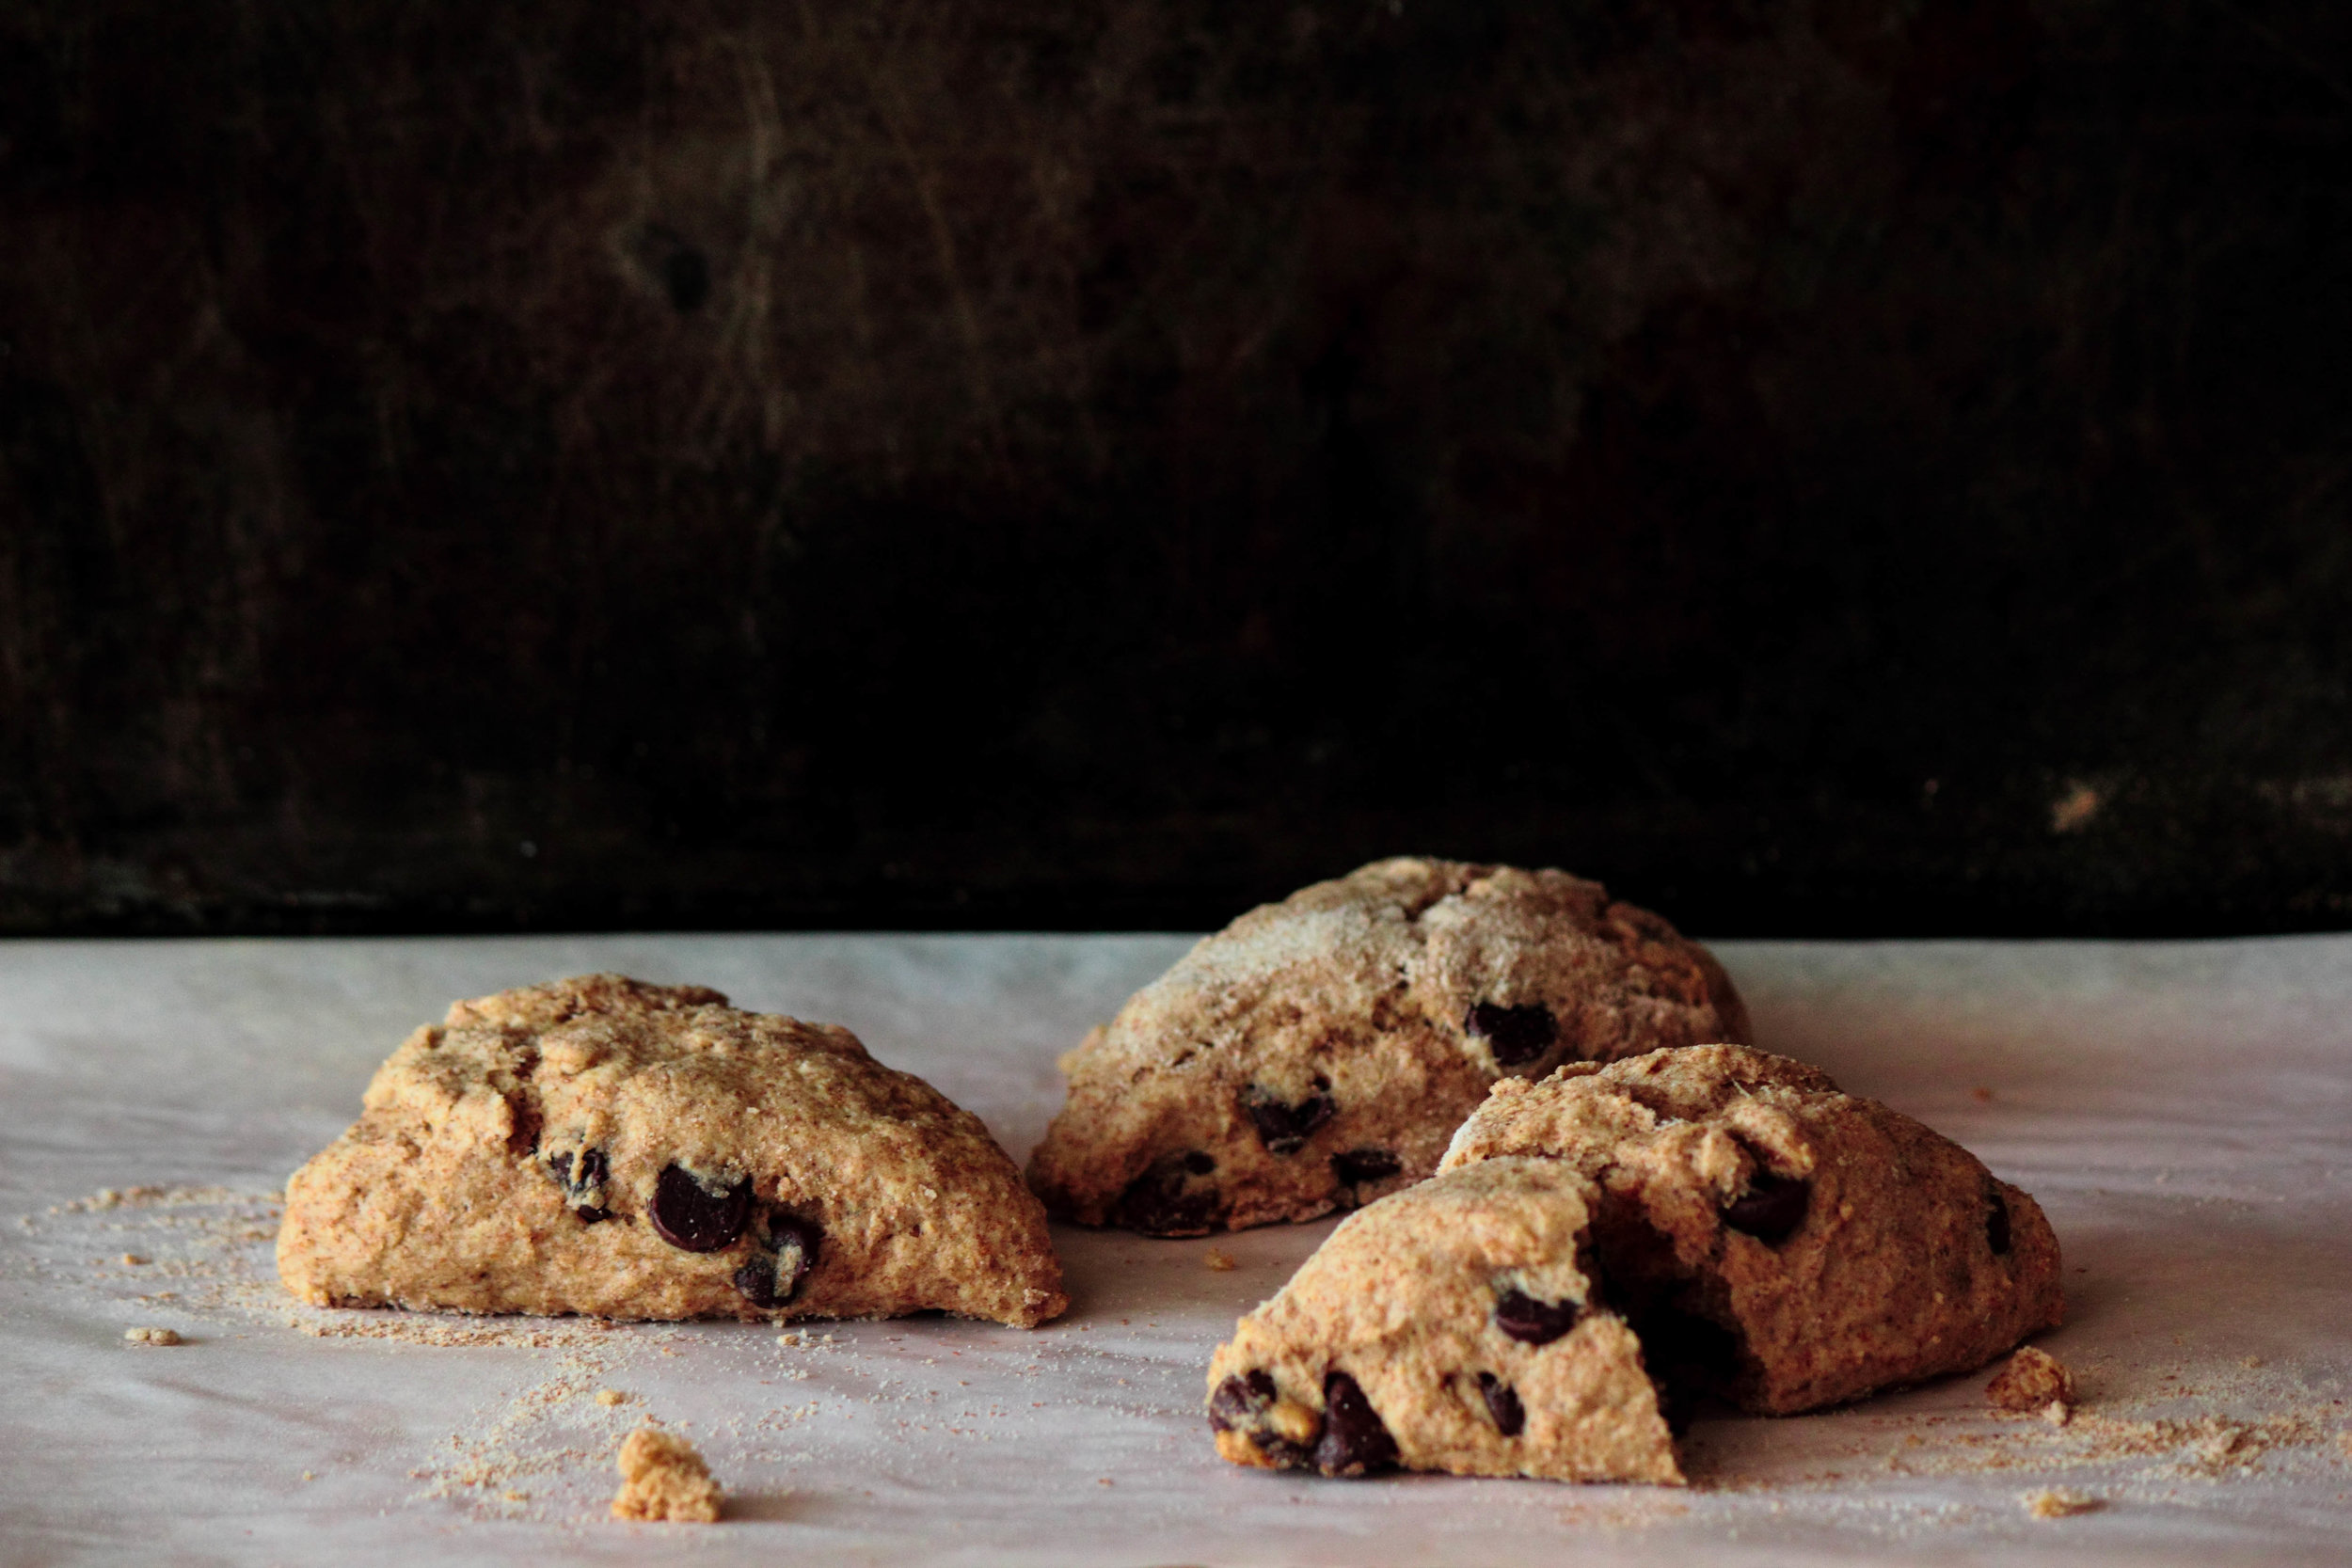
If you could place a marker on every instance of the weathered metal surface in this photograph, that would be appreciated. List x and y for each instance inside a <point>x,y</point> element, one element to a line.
<point>1845,468</point>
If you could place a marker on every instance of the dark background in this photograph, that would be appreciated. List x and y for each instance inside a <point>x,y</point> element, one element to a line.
<point>1831,469</point>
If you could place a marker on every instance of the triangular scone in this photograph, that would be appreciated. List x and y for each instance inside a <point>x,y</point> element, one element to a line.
<point>1319,1052</point>
<point>1455,1325</point>
<point>1774,1241</point>
<point>600,1146</point>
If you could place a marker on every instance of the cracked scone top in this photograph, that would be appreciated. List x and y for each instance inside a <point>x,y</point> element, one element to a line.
<point>1318,1052</point>
<point>1774,1241</point>
<point>601,1145</point>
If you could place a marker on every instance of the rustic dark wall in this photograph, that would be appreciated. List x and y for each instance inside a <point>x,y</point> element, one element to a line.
<point>1867,465</point>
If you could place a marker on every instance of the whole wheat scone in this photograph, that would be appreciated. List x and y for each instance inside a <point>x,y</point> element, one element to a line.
<point>1774,1241</point>
<point>600,1146</point>
<point>1456,1326</point>
<point>1318,1052</point>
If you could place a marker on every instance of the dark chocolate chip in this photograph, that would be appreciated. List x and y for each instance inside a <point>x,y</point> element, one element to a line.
<point>1163,1201</point>
<point>582,1174</point>
<point>1516,1035</point>
<point>1532,1322</point>
<point>756,1281</point>
<point>788,1244</point>
<point>1996,1225</point>
<point>686,1214</point>
<point>1503,1403</point>
<point>1283,1127</point>
<point>1360,1166</point>
<point>1355,1440</point>
<point>1198,1163</point>
<point>1239,1399</point>
<point>1771,1208</point>
<point>794,1239</point>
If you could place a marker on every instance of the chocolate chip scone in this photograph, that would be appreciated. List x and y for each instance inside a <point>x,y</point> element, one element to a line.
<point>600,1146</point>
<point>1318,1052</point>
<point>1774,1241</point>
<point>1457,1326</point>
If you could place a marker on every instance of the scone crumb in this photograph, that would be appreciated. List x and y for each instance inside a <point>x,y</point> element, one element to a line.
<point>1219,1261</point>
<point>2055,1502</point>
<point>663,1479</point>
<point>2032,1380</point>
<point>132,1259</point>
<point>611,1397</point>
<point>152,1336</point>
<point>2058,1412</point>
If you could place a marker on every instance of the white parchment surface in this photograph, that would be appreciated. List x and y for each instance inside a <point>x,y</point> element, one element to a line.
<point>2184,1112</point>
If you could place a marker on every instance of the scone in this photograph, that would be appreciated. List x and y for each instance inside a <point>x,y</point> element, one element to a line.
<point>1775,1242</point>
<point>600,1146</point>
<point>1457,1326</point>
<point>1618,1241</point>
<point>1318,1052</point>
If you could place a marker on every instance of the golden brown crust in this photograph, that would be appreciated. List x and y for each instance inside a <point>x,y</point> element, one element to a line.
<point>509,1161</point>
<point>1317,1053</point>
<point>1835,1245</point>
<point>1409,1298</point>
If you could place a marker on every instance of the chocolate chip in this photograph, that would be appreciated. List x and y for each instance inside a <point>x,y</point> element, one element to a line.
<point>1283,1127</point>
<point>1516,1035</point>
<point>1996,1225</point>
<point>582,1173</point>
<point>794,1239</point>
<point>688,1215</point>
<point>1359,1166</point>
<point>787,1252</point>
<point>1355,1440</point>
<point>1163,1201</point>
<point>1503,1403</point>
<point>1532,1322</point>
<point>1240,1404</point>
<point>1770,1209</point>
<point>756,1281</point>
<point>1239,1399</point>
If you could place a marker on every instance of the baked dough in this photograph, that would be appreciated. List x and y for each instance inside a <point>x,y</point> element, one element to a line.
<point>1774,1241</point>
<point>597,1145</point>
<point>1317,1053</point>
<point>1457,1326</point>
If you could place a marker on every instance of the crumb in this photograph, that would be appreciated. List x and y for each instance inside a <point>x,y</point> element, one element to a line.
<point>1102,1481</point>
<point>1980,1095</point>
<point>610,1397</point>
<point>2032,1380</point>
<point>152,1336</point>
<point>2057,1503</point>
<point>2056,1411</point>
<point>307,1476</point>
<point>132,1259</point>
<point>515,1497</point>
<point>1219,1261</point>
<point>787,1338</point>
<point>2252,1362</point>
<point>662,1478</point>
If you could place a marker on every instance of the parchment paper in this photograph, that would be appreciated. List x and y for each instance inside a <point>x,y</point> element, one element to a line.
<point>2181,1111</point>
